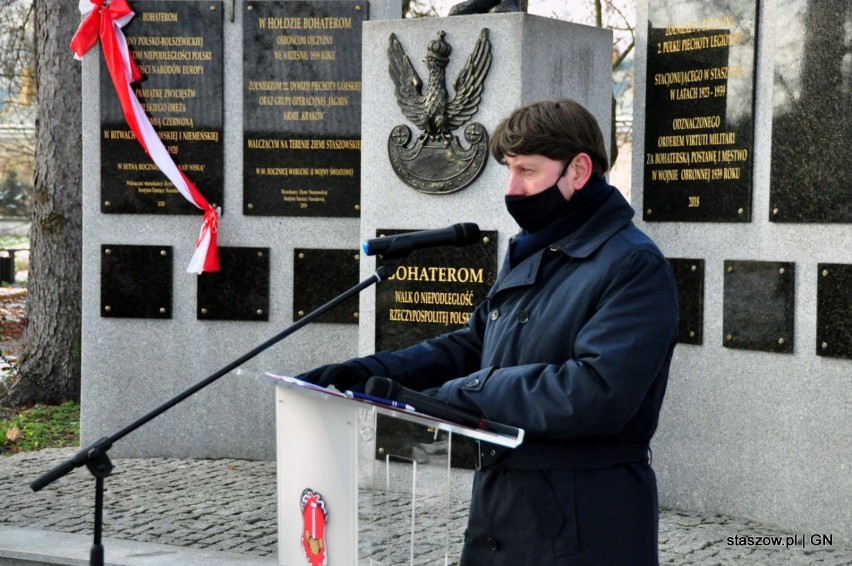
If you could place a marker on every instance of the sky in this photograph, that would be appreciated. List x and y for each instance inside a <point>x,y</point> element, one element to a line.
<point>619,15</point>
<point>579,11</point>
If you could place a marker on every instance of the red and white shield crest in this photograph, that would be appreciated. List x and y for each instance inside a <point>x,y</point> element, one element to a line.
<point>314,520</point>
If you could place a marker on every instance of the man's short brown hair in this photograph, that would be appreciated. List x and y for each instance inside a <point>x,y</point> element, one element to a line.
<point>558,129</point>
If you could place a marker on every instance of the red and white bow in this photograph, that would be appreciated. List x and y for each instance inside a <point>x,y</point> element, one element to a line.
<point>104,20</point>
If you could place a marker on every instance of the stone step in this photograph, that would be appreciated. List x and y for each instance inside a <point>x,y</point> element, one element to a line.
<point>35,547</point>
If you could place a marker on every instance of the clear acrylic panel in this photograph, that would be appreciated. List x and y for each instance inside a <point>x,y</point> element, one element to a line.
<point>412,505</point>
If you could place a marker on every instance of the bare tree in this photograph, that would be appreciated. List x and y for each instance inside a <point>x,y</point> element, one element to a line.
<point>17,96</point>
<point>49,364</point>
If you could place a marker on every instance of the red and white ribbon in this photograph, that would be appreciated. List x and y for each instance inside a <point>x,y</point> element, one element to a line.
<point>104,19</point>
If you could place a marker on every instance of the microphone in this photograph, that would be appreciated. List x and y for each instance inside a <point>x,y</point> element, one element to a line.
<point>390,389</point>
<point>403,244</point>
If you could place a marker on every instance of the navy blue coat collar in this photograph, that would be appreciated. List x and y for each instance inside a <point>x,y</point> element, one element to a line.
<point>614,215</point>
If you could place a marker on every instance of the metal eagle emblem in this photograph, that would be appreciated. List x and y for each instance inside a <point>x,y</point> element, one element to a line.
<point>436,163</point>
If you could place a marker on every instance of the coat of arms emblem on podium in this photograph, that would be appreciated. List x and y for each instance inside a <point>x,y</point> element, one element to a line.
<point>436,162</point>
<point>314,519</point>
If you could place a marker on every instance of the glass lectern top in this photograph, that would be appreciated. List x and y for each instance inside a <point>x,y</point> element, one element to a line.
<point>494,433</point>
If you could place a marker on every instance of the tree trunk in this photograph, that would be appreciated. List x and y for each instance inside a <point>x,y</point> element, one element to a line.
<point>49,363</point>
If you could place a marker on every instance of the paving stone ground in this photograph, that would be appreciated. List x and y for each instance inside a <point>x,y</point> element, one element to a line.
<point>230,505</point>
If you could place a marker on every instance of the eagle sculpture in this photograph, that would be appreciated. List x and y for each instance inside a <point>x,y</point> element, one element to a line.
<point>488,6</point>
<point>432,111</point>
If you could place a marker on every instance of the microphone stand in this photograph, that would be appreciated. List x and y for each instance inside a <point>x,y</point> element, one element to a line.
<point>95,457</point>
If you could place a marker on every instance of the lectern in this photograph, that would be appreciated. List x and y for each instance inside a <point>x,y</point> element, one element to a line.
<point>348,493</point>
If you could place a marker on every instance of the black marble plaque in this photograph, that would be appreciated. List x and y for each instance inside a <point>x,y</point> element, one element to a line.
<point>136,281</point>
<point>699,117</point>
<point>320,275</point>
<point>302,108</point>
<point>433,292</point>
<point>811,118</point>
<point>178,48</point>
<point>834,310</point>
<point>758,305</point>
<point>239,290</point>
<point>689,276</point>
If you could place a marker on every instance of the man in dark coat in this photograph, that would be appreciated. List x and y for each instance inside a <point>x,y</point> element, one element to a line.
<point>572,344</point>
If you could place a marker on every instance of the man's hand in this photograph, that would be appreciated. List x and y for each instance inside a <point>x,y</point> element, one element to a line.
<point>343,376</point>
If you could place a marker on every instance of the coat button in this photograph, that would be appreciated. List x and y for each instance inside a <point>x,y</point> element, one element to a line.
<point>495,314</point>
<point>523,316</point>
<point>493,544</point>
<point>472,383</point>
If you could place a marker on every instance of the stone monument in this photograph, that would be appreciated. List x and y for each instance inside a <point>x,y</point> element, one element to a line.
<point>259,103</point>
<point>739,170</point>
<point>524,67</point>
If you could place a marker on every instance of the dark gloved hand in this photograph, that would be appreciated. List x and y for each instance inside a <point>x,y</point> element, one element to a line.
<point>431,392</point>
<point>346,375</point>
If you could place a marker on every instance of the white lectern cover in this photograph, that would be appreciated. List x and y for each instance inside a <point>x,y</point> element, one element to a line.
<point>350,493</point>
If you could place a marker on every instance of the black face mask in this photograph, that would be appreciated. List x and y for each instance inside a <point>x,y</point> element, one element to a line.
<point>534,212</point>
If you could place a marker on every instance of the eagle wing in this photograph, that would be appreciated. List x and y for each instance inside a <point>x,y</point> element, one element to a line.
<point>407,84</point>
<point>468,85</point>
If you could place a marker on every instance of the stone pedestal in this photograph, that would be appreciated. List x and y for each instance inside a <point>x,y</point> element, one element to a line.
<point>534,58</point>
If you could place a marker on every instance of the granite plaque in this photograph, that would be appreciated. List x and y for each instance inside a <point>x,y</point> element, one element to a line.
<point>320,275</point>
<point>834,310</point>
<point>811,118</point>
<point>699,116</point>
<point>178,48</point>
<point>136,281</point>
<point>758,305</point>
<point>433,292</point>
<point>239,290</point>
<point>302,108</point>
<point>689,276</point>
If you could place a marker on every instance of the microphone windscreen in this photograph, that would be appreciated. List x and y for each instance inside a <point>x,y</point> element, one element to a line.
<point>382,387</point>
<point>467,233</point>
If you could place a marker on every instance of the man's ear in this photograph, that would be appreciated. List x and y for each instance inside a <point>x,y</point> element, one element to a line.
<point>579,171</point>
